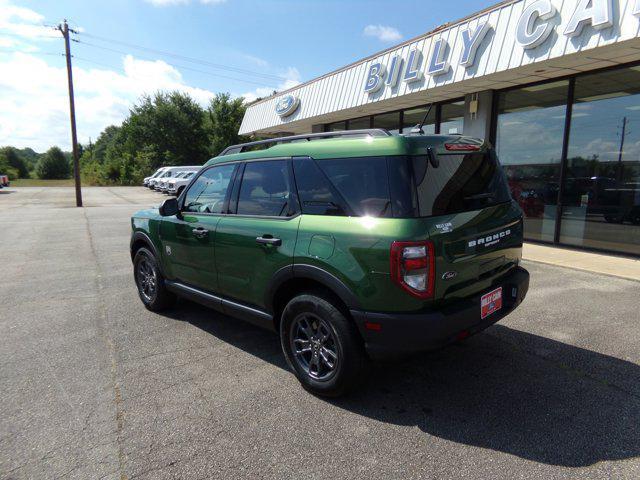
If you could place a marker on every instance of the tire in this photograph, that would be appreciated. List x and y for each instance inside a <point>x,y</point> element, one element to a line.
<point>334,339</point>
<point>150,282</point>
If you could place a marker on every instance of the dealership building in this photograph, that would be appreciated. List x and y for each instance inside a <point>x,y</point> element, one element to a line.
<point>554,85</point>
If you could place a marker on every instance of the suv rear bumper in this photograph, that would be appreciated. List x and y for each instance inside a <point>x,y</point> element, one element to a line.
<point>402,333</point>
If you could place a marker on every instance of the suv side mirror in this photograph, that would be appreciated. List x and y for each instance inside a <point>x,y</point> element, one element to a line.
<point>169,207</point>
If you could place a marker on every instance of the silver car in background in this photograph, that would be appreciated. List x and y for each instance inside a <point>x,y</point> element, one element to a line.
<point>176,185</point>
<point>169,172</point>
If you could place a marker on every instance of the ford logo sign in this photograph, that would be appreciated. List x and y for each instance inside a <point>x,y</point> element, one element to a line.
<point>449,275</point>
<point>287,105</point>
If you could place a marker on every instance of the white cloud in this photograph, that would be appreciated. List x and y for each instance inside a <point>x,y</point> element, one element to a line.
<point>382,33</point>
<point>257,60</point>
<point>291,79</point>
<point>34,104</point>
<point>9,11</point>
<point>22,22</point>
<point>165,3</point>
<point>34,107</point>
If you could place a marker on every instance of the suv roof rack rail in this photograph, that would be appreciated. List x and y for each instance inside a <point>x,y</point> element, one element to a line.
<point>372,132</point>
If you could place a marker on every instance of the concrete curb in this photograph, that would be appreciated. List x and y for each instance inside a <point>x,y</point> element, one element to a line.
<point>609,265</point>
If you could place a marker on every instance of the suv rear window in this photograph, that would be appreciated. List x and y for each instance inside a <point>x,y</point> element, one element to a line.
<point>460,183</point>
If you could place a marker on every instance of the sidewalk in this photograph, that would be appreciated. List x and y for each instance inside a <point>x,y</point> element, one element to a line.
<point>592,262</point>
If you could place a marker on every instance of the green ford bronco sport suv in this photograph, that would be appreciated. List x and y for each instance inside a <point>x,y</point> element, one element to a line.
<point>351,245</point>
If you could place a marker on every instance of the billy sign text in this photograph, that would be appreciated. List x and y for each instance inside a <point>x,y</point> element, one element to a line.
<point>535,25</point>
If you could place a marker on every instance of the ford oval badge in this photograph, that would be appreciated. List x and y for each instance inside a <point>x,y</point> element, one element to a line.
<point>287,105</point>
<point>449,275</point>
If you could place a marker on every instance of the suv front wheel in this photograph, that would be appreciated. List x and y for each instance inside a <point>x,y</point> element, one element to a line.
<point>150,282</point>
<point>321,346</point>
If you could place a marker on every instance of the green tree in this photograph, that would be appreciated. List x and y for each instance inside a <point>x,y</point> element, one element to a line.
<point>105,139</point>
<point>14,161</point>
<point>54,165</point>
<point>224,117</point>
<point>7,169</point>
<point>169,128</point>
<point>162,129</point>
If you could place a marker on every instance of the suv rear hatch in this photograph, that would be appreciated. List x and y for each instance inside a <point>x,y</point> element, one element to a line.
<point>465,205</point>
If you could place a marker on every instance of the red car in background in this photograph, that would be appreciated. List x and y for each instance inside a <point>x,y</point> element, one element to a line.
<point>4,180</point>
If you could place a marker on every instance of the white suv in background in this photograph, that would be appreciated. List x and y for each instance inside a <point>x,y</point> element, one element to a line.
<point>168,173</point>
<point>161,185</point>
<point>176,185</point>
<point>158,172</point>
<point>164,184</point>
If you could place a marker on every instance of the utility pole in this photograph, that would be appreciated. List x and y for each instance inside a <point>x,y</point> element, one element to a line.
<point>64,29</point>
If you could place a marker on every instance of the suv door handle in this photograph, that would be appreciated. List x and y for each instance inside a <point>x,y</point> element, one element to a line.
<point>200,232</point>
<point>269,240</point>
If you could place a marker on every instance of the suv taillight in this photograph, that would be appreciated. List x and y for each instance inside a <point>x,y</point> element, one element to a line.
<point>413,267</point>
<point>462,147</point>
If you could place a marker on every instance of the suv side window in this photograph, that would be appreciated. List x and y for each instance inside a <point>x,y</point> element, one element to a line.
<point>362,182</point>
<point>265,189</point>
<point>316,194</point>
<point>208,192</point>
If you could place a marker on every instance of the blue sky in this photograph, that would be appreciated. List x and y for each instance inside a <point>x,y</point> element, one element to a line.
<point>282,42</point>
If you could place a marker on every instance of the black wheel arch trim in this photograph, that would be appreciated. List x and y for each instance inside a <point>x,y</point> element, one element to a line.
<point>141,236</point>
<point>310,272</point>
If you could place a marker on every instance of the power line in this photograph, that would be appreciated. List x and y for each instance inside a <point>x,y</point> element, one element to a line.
<point>242,71</point>
<point>32,53</point>
<point>217,75</point>
<point>186,58</point>
<point>86,60</point>
<point>27,38</point>
<point>119,67</point>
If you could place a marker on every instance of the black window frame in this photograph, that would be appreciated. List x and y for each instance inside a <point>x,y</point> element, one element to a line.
<point>437,106</point>
<point>392,187</point>
<point>234,197</point>
<point>194,178</point>
<point>343,204</point>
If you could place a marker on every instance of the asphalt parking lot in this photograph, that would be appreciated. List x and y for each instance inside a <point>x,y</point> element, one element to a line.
<point>93,386</point>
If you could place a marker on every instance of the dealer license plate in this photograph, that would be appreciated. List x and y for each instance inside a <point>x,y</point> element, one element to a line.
<point>490,302</point>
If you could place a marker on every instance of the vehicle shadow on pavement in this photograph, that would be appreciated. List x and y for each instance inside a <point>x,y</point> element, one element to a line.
<point>504,390</point>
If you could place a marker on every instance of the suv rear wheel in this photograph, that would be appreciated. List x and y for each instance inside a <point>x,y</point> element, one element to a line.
<point>321,346</point>
<point>150,282</point>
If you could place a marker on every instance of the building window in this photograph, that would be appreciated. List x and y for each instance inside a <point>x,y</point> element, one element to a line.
<point>388,121</point>
<point>360,123</point>
<point>530,128</point>
<point>414,116</point>
<point>601,194</point>
<point>336,126</point>
<point>452,117</point>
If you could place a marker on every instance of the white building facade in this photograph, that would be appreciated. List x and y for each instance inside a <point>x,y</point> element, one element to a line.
<point>553,84</point>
